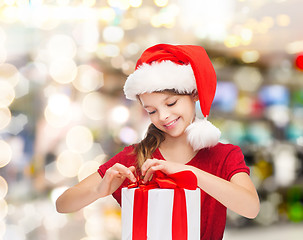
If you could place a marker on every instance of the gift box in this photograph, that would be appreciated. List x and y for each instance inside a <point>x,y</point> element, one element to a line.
<point>161,211</point>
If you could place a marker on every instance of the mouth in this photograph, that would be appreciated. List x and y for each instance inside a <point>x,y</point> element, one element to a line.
<point>172,123</point>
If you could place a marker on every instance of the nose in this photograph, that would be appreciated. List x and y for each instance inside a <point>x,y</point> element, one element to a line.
<point>163,115</point>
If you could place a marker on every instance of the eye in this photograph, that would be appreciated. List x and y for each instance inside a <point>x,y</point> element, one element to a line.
<point>172,104</point>
<point>150,113</point>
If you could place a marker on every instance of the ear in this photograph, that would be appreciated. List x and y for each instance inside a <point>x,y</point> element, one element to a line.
<point>195,96</point>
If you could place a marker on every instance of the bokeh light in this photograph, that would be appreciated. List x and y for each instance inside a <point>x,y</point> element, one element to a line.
<point>285,166</point>
<point>3,187</point>
<point>244,105</point>
<point>7,94</point>
<point>280,115</point>
<point>128,135</point>
<point>63,70</point>
<point>54,120</point>
<point>61,46</point>
<point>93,106</point>
<point>2,228</point>
<point>283,20</point>
<point>299,61</point>
<point>119,114</point>
<point>79,139</point>
<point>107,14</point>
<point>3,209</point>
<point>161,3</point>
<point>68,163</point>
<point>88,79</point>
<point>86,35</point>
<point>3,53</point>
<point>87,169</point>
<point>62,115</point>
<point>58,112</point>
<point>58,103</point>
<point>5,117</point>
<point>9,73</point>
<point>250,56</point>
<point>89,3</point>
<point>248,79</point>
<point>113,34</point>
<point>6,153</point>
<point>107,50</point>
<point>120,4</point>
<point>135,3</point>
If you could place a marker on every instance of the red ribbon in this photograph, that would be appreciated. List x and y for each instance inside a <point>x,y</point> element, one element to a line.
<point>177,181</point>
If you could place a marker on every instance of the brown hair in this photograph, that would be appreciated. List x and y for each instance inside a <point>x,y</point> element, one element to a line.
<point>144,149</point>
<point>154,136</point>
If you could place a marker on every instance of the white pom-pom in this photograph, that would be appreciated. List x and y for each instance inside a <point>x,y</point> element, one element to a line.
<point>202,134</point>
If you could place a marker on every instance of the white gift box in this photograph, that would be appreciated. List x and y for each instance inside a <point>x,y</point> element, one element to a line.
<point>159,216</point>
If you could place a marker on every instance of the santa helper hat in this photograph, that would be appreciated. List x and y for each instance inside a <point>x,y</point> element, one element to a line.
<point>183,68</point>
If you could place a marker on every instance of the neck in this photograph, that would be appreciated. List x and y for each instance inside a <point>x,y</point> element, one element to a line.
<point>177,150</point>
<point>173,142</point>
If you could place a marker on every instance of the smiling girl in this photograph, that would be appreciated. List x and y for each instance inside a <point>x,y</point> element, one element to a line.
<point>168,81</point>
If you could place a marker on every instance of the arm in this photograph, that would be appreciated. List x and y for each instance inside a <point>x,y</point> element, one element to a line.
<point>238,194</point>
<point>94,187</point>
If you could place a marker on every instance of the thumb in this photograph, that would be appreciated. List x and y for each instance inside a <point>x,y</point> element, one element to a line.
<point>132,168</point>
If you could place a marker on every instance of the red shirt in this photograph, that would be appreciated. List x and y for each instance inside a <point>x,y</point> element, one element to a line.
<point>222,160</point>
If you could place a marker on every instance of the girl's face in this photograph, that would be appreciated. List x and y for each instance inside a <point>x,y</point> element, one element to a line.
<point>169,112</point>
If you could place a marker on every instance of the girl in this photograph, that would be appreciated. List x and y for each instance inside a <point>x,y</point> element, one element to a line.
<point>167,82</point>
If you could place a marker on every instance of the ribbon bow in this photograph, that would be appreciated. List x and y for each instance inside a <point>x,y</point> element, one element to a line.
<point>177,181</point>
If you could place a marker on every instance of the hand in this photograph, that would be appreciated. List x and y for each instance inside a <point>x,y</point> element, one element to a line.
<point>115,176</point>
<point>152,165</point>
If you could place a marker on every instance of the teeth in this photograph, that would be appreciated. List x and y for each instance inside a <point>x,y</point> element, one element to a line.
<point>171,123</point>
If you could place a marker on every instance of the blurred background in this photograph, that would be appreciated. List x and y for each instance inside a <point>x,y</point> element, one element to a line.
<point>63,64</point>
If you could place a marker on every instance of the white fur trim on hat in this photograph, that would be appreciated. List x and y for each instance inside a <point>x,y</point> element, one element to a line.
<point>159,76</point>
<point>202,134</point>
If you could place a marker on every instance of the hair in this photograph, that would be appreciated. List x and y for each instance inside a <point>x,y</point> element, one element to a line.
<point>144,149</point>
<point>154,136</point>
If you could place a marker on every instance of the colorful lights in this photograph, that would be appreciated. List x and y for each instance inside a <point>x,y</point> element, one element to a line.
<point>299,61</point>
<point>68,49</point>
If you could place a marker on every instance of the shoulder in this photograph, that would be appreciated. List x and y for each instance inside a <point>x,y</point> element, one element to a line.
<point>223,149</point>
<point>127,157</point>
<point>128,151</point>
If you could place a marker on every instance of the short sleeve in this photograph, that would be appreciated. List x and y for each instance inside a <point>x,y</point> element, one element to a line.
<point>124,157</point>
<point>235,163</point>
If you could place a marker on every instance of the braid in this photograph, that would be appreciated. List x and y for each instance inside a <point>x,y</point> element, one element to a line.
<point>145,148</point>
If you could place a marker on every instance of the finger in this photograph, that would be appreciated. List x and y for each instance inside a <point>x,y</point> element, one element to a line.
<point>132,168</point>
<point>145,166</point>
<point>150,172</point>
<point>125,171</point>
<point>132,174</point>
<point>148,164</point>
<point>112,173</point>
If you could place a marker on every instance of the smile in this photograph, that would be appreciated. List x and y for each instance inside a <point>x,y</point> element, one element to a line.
<point>169,125</point>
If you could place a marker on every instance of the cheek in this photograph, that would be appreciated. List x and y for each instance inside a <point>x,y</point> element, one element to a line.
<point>191,113</point>
<point>152,117</point>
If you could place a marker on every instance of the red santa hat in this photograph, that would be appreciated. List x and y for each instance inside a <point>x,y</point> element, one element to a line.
<point>183,68</point>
